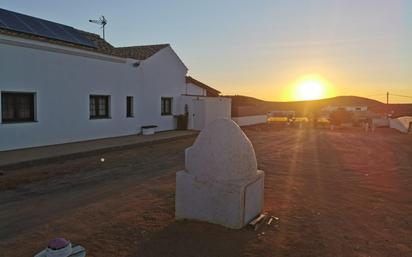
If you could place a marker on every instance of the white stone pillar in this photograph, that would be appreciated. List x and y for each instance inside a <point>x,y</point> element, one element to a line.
<point>220,183</point>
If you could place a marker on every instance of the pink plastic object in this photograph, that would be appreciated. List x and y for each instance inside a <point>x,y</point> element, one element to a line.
<point>58,243</point>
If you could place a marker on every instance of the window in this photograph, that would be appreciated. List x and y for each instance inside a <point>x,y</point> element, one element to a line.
<point>129,106</point>
<point>99,106</point>
<point>167,105</point>
<point>17,107</point>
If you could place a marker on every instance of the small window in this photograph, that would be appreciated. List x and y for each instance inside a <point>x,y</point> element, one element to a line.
<point>167,105</point>
<point>99,106</point>
<point>17,107</point>
<point>129,106</point>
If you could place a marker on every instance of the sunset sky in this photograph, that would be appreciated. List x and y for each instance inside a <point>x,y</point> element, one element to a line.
<point>265,49</point>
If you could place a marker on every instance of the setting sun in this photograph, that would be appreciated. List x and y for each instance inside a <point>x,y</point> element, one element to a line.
<point>310,90</point>
<point>310,87</point>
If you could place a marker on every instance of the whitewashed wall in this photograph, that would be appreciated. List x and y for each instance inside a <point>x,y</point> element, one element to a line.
<point>192,89</point>
<point>163,75</point>
<point>401,124</point>
<point>63,82</point>
<point>250,120</point>
<point>217,108</point>
<point>211,108</point>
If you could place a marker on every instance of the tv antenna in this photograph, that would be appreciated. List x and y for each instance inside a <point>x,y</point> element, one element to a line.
<point>101,21</point>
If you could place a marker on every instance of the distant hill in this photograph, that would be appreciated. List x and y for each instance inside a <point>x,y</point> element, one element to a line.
<point>245,105</point>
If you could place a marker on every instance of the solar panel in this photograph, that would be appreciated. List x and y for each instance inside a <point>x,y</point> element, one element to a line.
<point>39,27</point>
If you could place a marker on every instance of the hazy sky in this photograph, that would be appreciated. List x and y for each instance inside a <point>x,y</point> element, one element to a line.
<point>261,48</point>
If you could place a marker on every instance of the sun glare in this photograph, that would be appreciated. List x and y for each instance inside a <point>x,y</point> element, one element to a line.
<point>310,88</point>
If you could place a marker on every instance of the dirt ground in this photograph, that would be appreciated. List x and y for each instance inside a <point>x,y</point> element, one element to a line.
<point>336,193</point>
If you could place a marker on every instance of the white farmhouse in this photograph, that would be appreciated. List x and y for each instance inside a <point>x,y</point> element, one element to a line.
<point>348,108</point>
<point>203,104</point>
<point>197,88</point>
<point>59,85</point>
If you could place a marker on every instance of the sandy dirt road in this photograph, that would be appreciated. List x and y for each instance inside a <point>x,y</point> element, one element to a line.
<point>336,193</point>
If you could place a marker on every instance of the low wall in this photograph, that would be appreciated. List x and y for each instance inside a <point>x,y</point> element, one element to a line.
<point>401,124</point>
<point>380,122</point>
<point>250,120</point>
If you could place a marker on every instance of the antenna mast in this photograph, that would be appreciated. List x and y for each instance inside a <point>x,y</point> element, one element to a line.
<point>101,21</point>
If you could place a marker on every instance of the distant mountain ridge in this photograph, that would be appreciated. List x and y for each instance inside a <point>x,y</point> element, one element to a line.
<point>245,105</point>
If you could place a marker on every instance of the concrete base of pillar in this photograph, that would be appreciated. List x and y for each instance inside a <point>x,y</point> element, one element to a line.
<point>232,204</point>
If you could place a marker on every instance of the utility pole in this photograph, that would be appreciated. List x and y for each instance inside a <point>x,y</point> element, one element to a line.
<point>387,97</point>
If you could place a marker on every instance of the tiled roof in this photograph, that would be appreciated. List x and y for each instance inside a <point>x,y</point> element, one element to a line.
<point>102,46</point>
<point>139,52</point>
<point>210,91</point>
